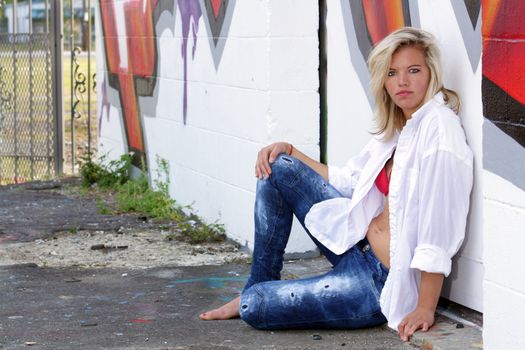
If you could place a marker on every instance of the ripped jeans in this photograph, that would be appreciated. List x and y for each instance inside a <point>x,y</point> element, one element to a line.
<point>345,297</point>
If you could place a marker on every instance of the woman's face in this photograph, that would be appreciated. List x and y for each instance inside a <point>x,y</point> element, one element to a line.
<point>408,79</point>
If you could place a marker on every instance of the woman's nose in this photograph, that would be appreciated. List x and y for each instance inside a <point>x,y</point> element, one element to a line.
<point>402,79</point>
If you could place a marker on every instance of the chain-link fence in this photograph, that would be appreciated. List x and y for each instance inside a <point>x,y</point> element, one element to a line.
<point>47,123</point>
<point>27,122</point>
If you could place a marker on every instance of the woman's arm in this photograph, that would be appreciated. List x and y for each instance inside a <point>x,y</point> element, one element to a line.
<point>268,154</point>
<point>423,316</point>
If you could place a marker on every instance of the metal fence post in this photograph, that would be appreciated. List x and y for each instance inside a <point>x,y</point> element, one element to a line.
<point>15,94</point>
<point>58,108</point>
<point>89,78</point>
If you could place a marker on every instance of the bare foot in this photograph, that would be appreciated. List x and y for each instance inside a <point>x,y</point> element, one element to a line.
<point>225,312</point>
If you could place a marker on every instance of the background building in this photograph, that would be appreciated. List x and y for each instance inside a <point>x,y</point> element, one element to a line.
<point>35,10</point>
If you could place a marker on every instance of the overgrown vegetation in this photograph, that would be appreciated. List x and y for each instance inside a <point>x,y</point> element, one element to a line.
<point>105,174</point>
<point>136,195</point>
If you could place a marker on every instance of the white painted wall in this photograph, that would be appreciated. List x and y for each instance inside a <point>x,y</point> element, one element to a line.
<point>503,285</point>
<point>464,284</point>
<point>263,90</point>
<point>349,113</point>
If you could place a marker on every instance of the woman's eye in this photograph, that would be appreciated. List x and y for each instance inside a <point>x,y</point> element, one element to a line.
<point>391,73</point>
<point>414,70</point>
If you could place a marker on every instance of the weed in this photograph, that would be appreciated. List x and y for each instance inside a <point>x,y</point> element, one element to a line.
<point>197,231</point>
<point>162,173</point>
<point>136,195</point>
<point>106,174</point>
<point>83,191</point>
<point>102,207</point>
<point>164,227</point>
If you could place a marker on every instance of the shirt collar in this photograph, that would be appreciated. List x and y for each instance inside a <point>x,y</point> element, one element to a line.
<point>438,99</point>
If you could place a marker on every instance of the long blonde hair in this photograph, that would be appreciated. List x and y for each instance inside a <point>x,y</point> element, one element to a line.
<point>389,117</point>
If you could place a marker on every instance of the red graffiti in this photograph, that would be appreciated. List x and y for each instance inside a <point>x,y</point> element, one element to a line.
<point>141,59</point>
<point>216,5</point>
<point>503,45</point>
<point>383,17</point>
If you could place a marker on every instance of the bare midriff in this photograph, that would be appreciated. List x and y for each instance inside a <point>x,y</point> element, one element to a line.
<point>378,236</point>
<point>378,233</point>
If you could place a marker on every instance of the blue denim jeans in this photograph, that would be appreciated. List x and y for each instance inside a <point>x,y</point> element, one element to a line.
<point>345,297</point>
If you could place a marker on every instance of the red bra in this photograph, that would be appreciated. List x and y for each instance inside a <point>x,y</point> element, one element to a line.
<point>382,181</point>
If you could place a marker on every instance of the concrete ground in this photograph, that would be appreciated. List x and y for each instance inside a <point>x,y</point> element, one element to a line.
<point>145,309</point>
<point>156,308</point>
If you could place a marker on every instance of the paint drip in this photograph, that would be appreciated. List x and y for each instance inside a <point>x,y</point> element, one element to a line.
<point>190,11</point>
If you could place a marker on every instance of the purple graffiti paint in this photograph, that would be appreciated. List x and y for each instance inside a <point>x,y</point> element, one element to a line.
<point>189,10</point>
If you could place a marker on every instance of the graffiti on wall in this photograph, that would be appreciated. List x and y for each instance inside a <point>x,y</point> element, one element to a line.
<point>218,14</point>
<point>369,21</point>
<point>131,62</point>
<point>502,89</point>
<point>131,50</point>
<point>375,19</point>
<point>503,72</point>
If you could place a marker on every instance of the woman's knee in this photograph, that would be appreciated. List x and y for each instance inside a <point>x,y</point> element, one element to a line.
<point>252,307</point>
<point>285,168</point>
<point>284,171</point>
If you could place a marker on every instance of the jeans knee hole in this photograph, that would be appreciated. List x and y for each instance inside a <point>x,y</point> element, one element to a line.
<point>292,295</point>
<point>244,307</point>
<point>327,286</point>
<point>287,159</point>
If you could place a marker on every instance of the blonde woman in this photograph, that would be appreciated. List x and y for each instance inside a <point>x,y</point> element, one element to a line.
<point>389,222</point>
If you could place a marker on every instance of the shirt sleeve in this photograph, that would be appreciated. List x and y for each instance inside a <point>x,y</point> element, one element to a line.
<point>445,183</point>
<point>345,179</point>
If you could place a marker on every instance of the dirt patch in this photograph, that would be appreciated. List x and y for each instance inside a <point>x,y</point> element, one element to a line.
<point>50,224</point>
<point>130,248</point>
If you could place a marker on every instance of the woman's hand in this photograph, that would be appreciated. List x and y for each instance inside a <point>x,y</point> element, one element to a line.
<point>423,316</point>
<point>267,155</point>
<point>420,318</point>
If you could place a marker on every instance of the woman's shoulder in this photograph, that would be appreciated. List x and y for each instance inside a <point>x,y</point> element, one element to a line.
<point>441,119</point>
<point>442,129</point>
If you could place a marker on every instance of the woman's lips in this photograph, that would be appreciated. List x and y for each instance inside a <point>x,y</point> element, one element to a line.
<point>403,93</point>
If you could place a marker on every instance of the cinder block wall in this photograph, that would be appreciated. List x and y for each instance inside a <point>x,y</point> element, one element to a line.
<point>250,70</point>
<point>504,175</point>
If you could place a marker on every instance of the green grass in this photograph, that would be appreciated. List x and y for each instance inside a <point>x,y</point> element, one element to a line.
<point>138,196</point>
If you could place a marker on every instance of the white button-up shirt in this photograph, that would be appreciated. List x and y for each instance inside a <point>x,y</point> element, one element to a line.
<point>428,199</point>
